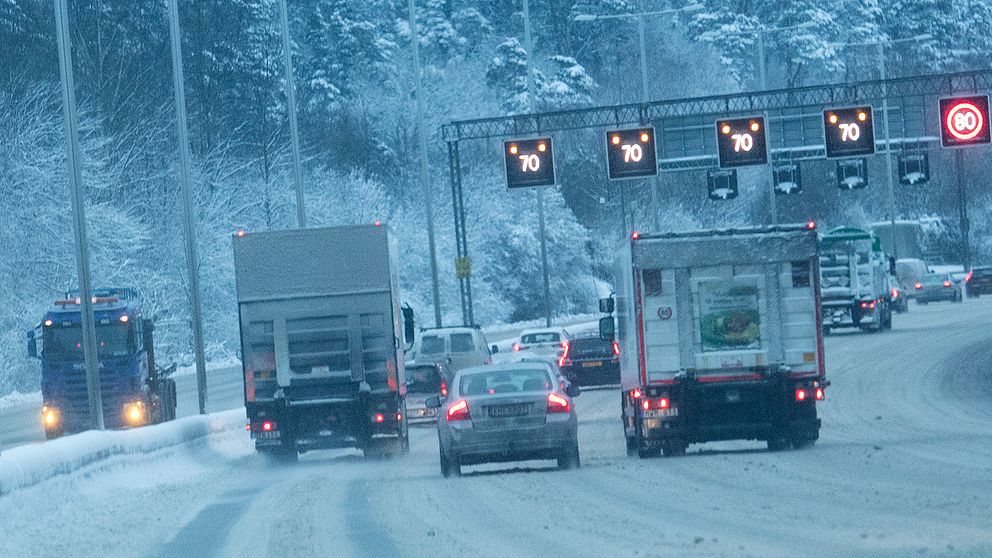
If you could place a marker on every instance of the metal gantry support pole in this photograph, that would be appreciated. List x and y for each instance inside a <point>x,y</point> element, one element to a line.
<point>461,238</point>
<point>888,153</point>
<point>78,198</point>
<point>189,229</point>
<point>653,183</point>
<point>294,130</point>
<point>531,92</point>
<point>424,170</point>
<point>963,209</point>
<point>763,78</point>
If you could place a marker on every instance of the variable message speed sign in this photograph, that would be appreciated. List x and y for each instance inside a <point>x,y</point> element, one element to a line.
<point>529,162</point>
<point>741,142</point>
<point>964,121</point>
<point>848,132</point>
<point>631,153</point>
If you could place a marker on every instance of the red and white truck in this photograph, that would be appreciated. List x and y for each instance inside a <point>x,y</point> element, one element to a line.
<point>721,338</point>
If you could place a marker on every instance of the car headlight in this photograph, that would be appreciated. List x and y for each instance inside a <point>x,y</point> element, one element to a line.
<point>135,413</point>
<point>49,416</point>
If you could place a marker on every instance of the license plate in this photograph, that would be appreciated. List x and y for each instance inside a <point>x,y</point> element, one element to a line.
<point>592,364</point>
<point>269,435</point>
<point>508,410</point>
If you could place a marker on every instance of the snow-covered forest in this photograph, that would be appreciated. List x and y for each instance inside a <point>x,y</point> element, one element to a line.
<point>354,79</point>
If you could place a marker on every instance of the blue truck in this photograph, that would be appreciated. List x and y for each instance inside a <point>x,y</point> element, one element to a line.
<point>134,390</point>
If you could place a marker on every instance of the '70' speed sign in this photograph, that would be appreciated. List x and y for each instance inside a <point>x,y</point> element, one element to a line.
<point>529,162</point>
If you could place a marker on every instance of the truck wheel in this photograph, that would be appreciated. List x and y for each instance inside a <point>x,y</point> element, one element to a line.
<point>673,448</point>
<point>800,443</point>
<point>631,447</point>
<point>778,444</point>
<point>282,454</point>
<point>53,434</point>
<point>648,453</point>
<point>569,459</point>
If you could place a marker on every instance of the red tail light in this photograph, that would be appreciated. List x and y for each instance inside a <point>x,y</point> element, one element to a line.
<point>516,347</point>
<point>947,284</point>
<point>268,426</point>
<point>444,389</point>
<point>918,285</point>
<point>810,225</point>
<point>557,403</point>
<point>655,404</point>
<point>895,294</point>
<point>635,393</point>
<point>379,417</point>
<point>801,394</point>
<point>563,360</point>
<point>459,411</point>
<point>248,427</point>
<point>819,394</point>
<point>967,278</point>
<point>616,348</point>
<point>399,417</point>
<point>635,235</point>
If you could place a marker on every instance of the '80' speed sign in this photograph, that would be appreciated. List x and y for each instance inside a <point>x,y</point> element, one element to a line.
<point>964,121</point>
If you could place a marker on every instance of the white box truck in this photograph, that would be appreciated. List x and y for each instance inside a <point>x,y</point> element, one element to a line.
<point>322,337</point>
<point>720,338</point>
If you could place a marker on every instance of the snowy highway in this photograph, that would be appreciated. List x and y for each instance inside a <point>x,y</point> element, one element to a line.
<point>903,467</point>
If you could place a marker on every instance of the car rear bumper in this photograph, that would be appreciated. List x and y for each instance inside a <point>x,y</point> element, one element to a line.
<point>937,296</point>
<point>605,374</point>
<point>472,446</point>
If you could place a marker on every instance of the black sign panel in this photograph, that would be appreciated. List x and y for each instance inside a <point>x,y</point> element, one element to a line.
<point>722,184</point>
<point>914,169</point>
<point>529,162</point>
<point>788,179</point>
<point>848,132</point>
<point>741,142</point>
<point>964,121</point>
<point>852,174</point>
<point>631,153</point>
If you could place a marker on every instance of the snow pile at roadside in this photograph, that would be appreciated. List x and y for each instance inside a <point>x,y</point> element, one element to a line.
<point>16,399</point>
<point>559,321</point>
<point>216,364</point>
<point>30,464</point>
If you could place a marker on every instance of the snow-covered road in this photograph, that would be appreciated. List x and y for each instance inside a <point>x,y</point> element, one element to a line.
<point>903,467</point>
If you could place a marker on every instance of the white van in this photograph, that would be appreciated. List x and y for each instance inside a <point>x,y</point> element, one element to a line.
<point>458,347</point>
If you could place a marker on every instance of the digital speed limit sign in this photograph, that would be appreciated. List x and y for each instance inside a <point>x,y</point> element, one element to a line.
<point>848,132</point>
<point>964,121</point>
<point>741,142</point>
<point>631,153</point>
<point>529,162</point>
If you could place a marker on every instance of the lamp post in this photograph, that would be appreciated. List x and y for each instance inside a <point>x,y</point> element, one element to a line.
<point>645,96</point>
<point>294,132</point>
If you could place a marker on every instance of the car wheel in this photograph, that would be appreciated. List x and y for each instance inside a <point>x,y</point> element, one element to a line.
<point>570,458</point>
<point>449,469</point>
<point>778,444</point>
<point>673,448</point>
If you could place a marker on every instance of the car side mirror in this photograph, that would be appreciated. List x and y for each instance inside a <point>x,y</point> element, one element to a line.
<point>409,325</point>
<point>607,329</point>
<point>495,349</point>
<point>32,345</point>
<point>573,390</point>
<point>433,402</point>
<point>607,305</point>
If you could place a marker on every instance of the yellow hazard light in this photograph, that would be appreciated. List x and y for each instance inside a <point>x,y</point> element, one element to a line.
<point>755,126</point>
<point>833,118</point>
<point>542,147</point>
<point>616,140</point>
<point>725,128</point>
<point>645,137</point>
<point>862,116</point>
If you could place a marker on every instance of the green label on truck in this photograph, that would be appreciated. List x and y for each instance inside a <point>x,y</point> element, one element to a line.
<point>729,316</point>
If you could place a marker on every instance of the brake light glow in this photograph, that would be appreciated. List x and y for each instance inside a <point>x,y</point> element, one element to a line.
<point>124,319</point>
<point>800,394</point>
<point>444,389</point>
<point>248,427</point>
<point>819,394</point>
<point>557,403</point>
<point>918,285</point>
<point>656,404</point>
<point>947,284</point>
<point>459,411</point>
<point>399,417</point>
<point>895,293</point>
<point>564,356</point>
<point>635,235</point>
<point>967,278</point>
<point>268,426</point>
<point>810,225</point>
<point>635,393</point>
<point>616,348</point>
<point>516,347</point>
<point>379,417</point>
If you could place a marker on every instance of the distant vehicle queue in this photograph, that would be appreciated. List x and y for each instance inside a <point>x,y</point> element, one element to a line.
<point>711,335</point>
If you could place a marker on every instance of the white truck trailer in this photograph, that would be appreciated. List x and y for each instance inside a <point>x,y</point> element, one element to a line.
<point>721,338</point>
<point>322,337</point>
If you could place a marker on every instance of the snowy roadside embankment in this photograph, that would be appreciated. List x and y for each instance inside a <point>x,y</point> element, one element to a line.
<point>16,399</point>
<point>30,464</point>
<point>562,321</point>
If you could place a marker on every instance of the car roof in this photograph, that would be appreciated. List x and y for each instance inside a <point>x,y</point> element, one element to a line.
<point>508,366</point>
<point>442,330</point>
<point>532,331</point>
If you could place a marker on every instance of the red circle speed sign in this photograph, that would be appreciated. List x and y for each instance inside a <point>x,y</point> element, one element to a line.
<point>964,121</point>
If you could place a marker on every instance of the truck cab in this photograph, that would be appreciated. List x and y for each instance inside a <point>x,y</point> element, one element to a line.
<point>855,281</point>
<point>129,383</point>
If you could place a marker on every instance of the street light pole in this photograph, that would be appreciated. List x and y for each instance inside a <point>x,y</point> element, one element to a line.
<point>531,93</point>
<point>763,81</point>
<point>888,151</point>
<point>653,183</point>
<point>425,182</point>
<point>294,132</point>
<point>78,199</point>
<point>192,260</point>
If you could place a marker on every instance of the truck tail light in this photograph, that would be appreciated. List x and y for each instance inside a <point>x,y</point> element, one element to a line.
<point>380,418</point>
<point>895,294</point>
<point>819,394</point>
<point>557,403</point>
<point>459,411</point>
<point>801,394</point>
<point>616,351</point>
<point>635,394</point>
<point>444,389</point>
<point>267,426</point>
<point>563,360</point>
<point>656,404</point>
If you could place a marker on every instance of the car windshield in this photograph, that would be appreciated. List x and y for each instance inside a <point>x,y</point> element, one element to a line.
<point>542,337</point>
<point>498,381</point>
<point>432,345</point>
<point>423,379</point>
<point>462,343</point>
<point>66,342</point>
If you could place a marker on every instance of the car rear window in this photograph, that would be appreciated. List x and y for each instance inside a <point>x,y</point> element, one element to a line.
<point>591,347</point>
<point>982,272</point>
<point>462,343</point>
<point>533,338</point>
<point>423,379</point>
<point>934,279</point>
<point>505,381</point>
<point>432,345</point>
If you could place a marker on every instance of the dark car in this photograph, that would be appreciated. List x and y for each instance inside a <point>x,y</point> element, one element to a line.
<point>979,281</point>
<point>424,380</point>
<point>935,287</point>
<point>591,361</point>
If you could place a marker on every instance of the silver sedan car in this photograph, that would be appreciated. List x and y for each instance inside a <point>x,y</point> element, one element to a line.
<point>507,412</point>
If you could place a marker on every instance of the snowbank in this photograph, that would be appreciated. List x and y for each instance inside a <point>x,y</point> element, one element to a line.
<point>28,465</point>
<point>563,321</point>
<point>216,364</point>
